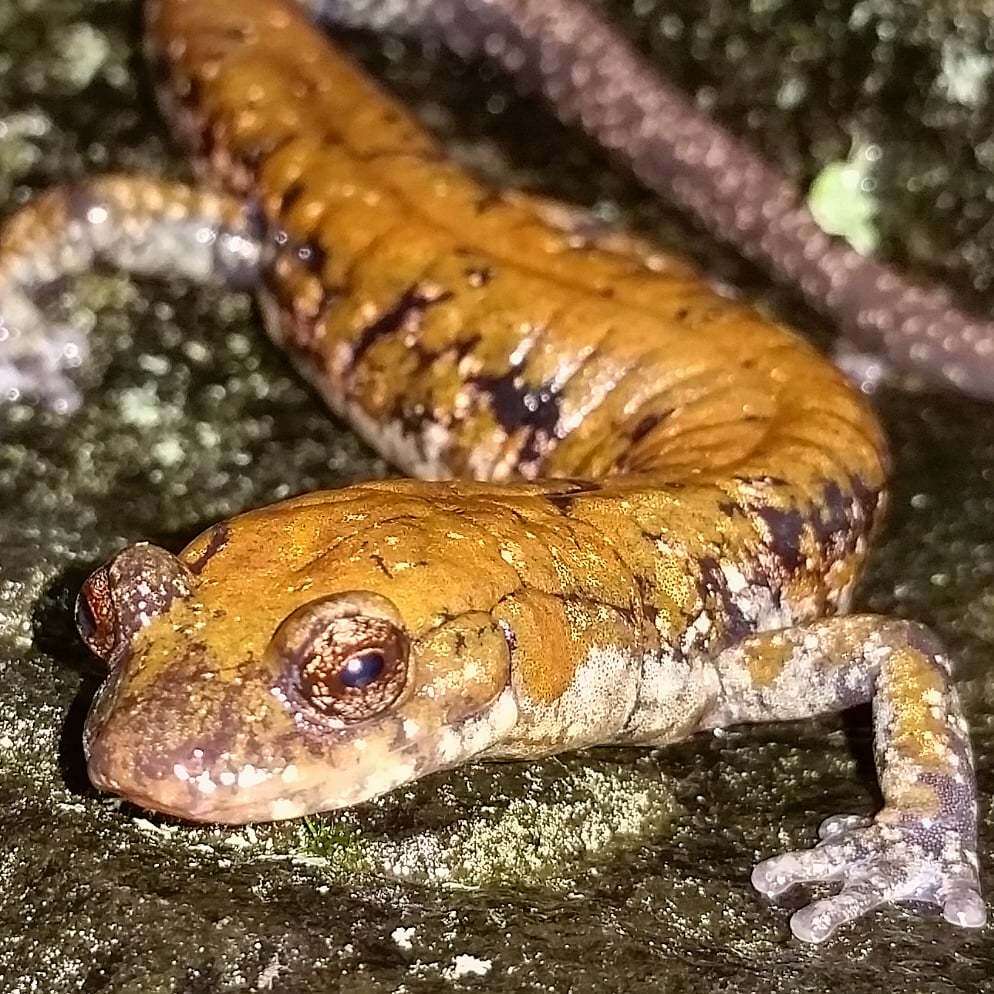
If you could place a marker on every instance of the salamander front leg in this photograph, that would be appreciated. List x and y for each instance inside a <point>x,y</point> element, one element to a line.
<point>139,225</point>
<point>923,845</point>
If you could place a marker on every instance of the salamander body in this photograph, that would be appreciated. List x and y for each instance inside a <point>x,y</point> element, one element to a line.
<point>641,509</point>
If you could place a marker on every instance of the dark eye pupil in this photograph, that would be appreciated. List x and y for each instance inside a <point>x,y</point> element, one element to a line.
<point>362,669</point>
<point>85,621</point>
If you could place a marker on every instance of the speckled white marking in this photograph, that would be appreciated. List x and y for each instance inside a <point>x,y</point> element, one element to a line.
<point>249,776</point>
<point>283,808</point>
<point>593,709</point>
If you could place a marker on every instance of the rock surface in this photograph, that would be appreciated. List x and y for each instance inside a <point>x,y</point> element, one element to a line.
<point>613,870</point>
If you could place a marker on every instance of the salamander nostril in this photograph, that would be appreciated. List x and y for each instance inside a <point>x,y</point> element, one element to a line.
<point>363,668</point>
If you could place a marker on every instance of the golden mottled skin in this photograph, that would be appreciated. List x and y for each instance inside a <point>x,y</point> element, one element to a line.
<point>616,344</point>
<point>705,486</point>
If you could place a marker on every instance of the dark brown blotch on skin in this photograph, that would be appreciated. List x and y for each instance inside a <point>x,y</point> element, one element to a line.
<point>290,196</point>
<point>714,588</point>
<point>516,405</point>
<point>217,539</point>
<point>646,424</point>
<point>411,304</point>
<point>564,500</point>
<point>834,514</point>
<point>786,528</point>
<point>869,500</point>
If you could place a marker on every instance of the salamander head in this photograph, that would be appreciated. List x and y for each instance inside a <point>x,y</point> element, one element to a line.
<point>255,678</point>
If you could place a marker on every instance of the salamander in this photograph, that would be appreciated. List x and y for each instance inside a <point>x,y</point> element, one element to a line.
<point>639,510</point>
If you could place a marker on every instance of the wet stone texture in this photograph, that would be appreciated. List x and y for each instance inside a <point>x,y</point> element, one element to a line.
<point>613,870</point>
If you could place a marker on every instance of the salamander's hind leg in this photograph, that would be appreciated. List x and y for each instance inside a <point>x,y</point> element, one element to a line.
<point>144,226</point>
<point>923,845</point>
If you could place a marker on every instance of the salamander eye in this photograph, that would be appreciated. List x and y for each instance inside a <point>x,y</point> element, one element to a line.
<point>126,594</point>
<point>343,662</point>
<point>355,669</point>
<point>96,616</point>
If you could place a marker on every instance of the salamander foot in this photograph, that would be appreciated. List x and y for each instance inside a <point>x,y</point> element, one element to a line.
<point>899,856</point>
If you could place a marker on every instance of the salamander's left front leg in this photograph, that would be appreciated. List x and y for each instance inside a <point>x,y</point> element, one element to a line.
<point>923,845</point>
<point>135,224</point>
